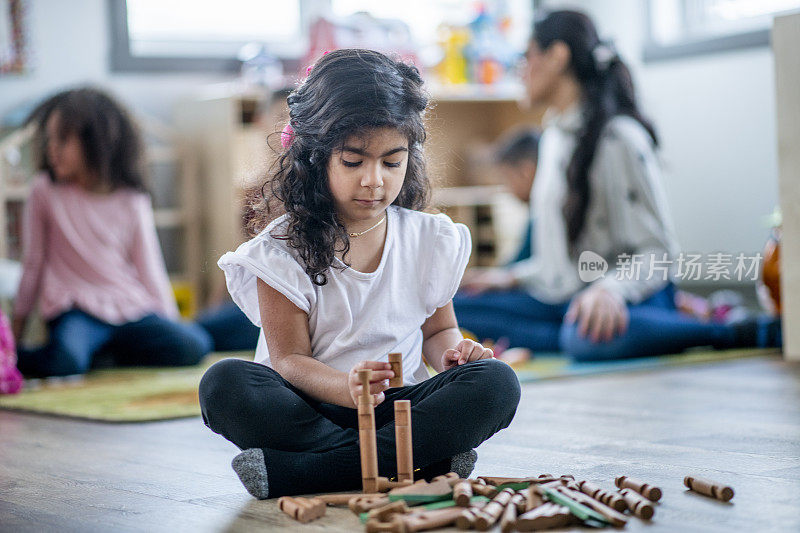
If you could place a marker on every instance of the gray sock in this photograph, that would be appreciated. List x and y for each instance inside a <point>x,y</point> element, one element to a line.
<point>464,463</point>
<point>252,471</point>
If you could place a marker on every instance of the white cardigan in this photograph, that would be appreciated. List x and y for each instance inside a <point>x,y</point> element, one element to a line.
<point>627,212</point>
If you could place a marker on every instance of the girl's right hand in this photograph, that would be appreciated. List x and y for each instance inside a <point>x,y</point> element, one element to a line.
<point>381,372</point>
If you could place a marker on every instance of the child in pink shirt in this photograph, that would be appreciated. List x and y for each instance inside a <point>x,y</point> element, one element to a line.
<point>91,255</point>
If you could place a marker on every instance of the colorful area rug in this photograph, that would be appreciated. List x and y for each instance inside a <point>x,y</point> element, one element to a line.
<point>148,394</point>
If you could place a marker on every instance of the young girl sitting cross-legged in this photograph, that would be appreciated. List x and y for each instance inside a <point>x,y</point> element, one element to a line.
<point>350,273</point>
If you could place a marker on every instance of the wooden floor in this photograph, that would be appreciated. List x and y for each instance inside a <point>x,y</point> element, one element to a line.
<point>737,422</point>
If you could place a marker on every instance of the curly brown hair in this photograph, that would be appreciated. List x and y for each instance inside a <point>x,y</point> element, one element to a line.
<point>110,140</point>
<point>348,92</point>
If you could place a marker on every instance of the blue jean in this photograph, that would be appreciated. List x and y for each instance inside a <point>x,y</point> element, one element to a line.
<point>75,338</point>
<point>655,327</point>
<point>229,327</point>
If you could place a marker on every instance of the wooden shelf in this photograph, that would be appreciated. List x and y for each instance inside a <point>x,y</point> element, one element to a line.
<point>505,92</point>
<point>466,196</point>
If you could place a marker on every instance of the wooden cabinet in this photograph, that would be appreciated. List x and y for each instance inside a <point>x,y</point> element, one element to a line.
<point>227,143</point>
<point>463,127</point>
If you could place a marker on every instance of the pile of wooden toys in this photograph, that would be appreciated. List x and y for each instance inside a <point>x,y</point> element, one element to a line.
<point>521,504</point>
<point>517,504</point>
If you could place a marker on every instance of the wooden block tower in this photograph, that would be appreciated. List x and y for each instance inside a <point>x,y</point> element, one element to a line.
<point>402,434</point>
<point>366,435</point>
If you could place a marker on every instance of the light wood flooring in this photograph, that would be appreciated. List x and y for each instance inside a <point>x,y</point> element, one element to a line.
<point>737,422</point>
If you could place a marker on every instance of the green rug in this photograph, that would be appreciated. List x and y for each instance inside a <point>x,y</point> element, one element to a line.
<point>554,365</point>
<point>147,394</point>
<point>134,394</point>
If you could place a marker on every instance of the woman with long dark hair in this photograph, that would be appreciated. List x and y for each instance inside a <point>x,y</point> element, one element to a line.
<point>599,203</point>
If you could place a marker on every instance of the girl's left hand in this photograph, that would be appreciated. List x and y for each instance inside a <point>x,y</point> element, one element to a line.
<point>465,351</point>
<point>600,313</point>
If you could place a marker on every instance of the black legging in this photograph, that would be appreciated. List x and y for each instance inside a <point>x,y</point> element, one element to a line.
<point>310,446</point>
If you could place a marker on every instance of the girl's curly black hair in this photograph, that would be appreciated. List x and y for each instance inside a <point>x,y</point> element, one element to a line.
<point>111,142</point>
<point>348,92</point>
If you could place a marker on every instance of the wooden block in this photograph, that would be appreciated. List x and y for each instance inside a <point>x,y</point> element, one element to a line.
<point>610,498</point>
<point>366,502</point>
<point>396,360</point>
<point>403,442</point>
<point>342,498</point>
<point>617,519</point>
<point>509,519</point>
<point>423,492</point>
<point>393,525</point>
<point>466,520</point>
<point>497,481</point>
<point>364,375</point>
<point>425,520</point>
<point>709,488</point>
<point>439,486</point>
<point>546,516</point>
<point>638,504</point>
<point>450,477</point>
<point>491,512</point>
<point>384,485</point>
<point>522,501</point>
<point>552,484</point>
<point>302,509</point>
<point>648,491</point>
<point>366,435</point>
<point>382,514</point>
<point>462,493</point>
<point>533,499</point>
<point>480,488</point>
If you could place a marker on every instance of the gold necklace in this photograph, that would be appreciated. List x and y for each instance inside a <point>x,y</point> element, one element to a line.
<point>370,229</point>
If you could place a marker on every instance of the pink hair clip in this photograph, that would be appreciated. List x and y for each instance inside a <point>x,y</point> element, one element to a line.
<point>308,70</point>
<point>287,135</point>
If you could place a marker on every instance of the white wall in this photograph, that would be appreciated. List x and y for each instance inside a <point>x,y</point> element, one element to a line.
<point>716,117</point>
<point>69,45</point>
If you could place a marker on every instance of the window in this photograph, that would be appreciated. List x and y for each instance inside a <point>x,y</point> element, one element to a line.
<point>206,35</point>
<point>424,17</point>
<point>192,35</point>
<point>688,27</point>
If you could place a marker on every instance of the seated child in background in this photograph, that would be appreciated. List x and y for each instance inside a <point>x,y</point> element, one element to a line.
<point>516,160</point>
<point>352,272</point>
<point>91,256</point>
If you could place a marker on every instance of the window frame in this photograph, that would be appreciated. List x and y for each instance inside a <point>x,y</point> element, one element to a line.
<point>653,51</point>
<point>123,61</point>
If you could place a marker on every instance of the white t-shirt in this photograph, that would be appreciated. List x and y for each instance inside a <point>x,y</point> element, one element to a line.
<point>359,316</point>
